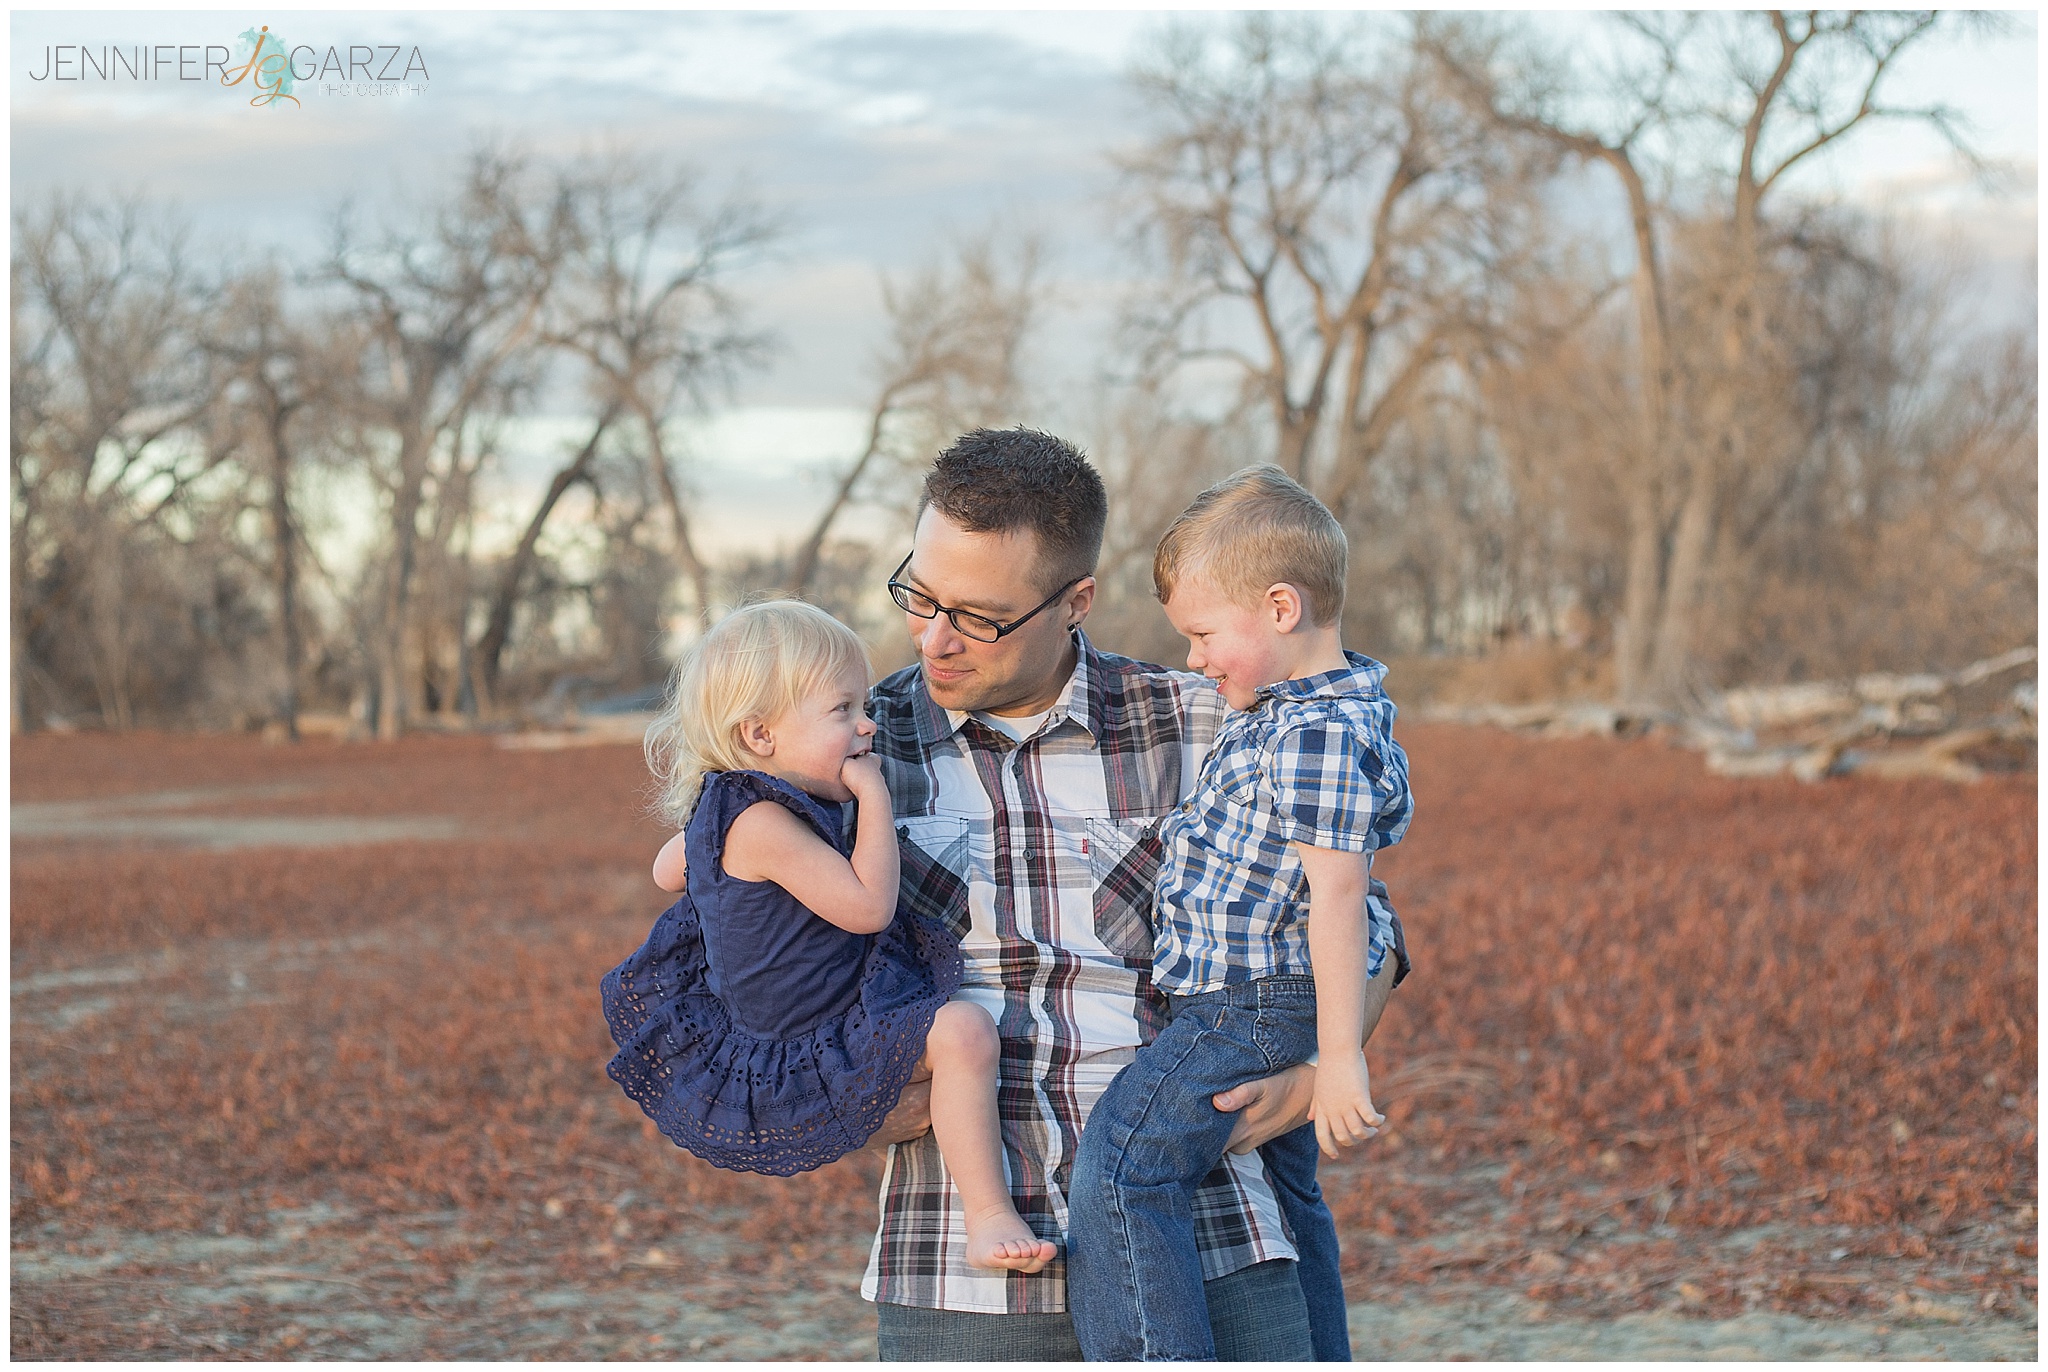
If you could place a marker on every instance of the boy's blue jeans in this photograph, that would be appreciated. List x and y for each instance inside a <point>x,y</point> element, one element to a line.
<point>1134,1277</point>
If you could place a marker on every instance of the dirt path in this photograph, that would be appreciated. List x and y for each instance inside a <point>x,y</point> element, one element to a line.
<point>1494,1326</point>
<point>177,818</point>
<point>304,1290</point>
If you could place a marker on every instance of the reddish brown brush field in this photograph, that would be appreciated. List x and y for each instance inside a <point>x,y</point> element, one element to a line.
<point>1655,1004</point>
<point>1673,1042</point>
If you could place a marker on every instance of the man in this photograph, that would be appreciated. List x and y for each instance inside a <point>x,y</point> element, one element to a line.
<point>1027,771</point>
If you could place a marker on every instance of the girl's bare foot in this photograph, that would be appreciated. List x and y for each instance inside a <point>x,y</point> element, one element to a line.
<point>1006,1241</point>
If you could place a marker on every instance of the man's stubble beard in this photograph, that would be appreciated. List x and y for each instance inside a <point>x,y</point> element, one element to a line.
<point>974,694</point>
<point>982,695</point>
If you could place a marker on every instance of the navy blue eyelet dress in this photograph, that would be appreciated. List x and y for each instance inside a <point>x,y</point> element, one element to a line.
<point>755,1034</point>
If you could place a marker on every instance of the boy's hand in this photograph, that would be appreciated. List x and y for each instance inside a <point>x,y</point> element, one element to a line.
<point>1343,1109</point>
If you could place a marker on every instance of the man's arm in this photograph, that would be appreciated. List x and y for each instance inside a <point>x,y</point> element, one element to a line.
<point>1272,1106</point>
<point>1267,1108</point>
<point>912,1117</point>
<point>672,865</point>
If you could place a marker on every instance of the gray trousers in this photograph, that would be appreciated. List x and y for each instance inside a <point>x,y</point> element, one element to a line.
<point>1256,1313</point>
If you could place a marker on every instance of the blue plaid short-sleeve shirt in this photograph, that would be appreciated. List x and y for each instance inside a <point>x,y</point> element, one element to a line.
<point>1313,761</point>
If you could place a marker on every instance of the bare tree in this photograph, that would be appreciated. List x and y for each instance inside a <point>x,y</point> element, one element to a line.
<point>278,405</point>
<point>1872,540</point>
<point>957,331</point>
<point>1153,458</point>
<point>490,648</point>
<point>1331,226</point>
<point>108,383</point>
<point>1730,432</point>
<point>444,308</point>
<point>647,306</point>
<point>1764,92</point>
<point>1533,110</point>
<point>1783,96</point>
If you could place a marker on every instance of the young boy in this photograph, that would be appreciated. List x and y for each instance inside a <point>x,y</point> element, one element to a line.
<point>1267,920</point>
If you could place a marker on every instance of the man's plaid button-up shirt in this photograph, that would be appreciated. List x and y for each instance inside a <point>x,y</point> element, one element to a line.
<point>1042,857</point>
<point>1313,761</point>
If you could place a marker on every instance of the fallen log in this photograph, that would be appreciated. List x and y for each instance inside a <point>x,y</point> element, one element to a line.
<point>1895,702</point>
<point>1938,757</point>
<point>1815,728</point>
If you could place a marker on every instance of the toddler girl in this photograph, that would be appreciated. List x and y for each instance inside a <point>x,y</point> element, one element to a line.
<point>773,1016</point>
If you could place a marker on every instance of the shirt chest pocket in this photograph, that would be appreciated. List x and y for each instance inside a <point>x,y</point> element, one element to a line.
<point>1123,860</point>
<point>934,860</point>
<point>1234,778</point>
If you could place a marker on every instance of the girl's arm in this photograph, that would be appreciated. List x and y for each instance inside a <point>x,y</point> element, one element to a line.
<point>671,867</point>
<point>768,843</point>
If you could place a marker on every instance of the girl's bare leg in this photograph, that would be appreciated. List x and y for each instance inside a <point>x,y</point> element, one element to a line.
<point>961,1051</point>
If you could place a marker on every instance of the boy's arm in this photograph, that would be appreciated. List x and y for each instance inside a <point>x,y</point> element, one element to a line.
<point>1340,792</point>
<point>1338,939</point>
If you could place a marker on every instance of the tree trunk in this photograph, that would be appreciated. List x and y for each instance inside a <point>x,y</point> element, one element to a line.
<point>1686,577</point>
<point>1722,450</point>
<point>405,510</point>
<point>807,556</point>
<point>1351,429</point>
<point>287,571</point>
<point>108,598</point>
<point>1360,436</point>
<point>686,553</point>
<point>498,629</point>
<point>1644,579</point>
<point>466,701</point>
<point>1640,589</point>
<point>22,717</point>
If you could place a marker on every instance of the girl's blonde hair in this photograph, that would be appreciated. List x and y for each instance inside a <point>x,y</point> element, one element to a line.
<point>756,663</point>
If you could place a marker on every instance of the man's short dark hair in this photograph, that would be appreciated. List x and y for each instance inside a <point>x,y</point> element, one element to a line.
<point>999,480</point>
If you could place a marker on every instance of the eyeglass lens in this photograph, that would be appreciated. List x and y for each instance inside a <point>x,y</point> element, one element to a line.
<point>924,607</point>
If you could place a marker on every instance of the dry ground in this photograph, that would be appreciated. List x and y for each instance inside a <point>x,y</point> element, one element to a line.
<point>307,1063</point>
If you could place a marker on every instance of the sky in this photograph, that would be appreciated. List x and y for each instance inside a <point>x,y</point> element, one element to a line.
<point>877,136</point>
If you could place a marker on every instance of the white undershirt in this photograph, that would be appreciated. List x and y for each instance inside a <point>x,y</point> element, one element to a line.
<point>1018,727</point>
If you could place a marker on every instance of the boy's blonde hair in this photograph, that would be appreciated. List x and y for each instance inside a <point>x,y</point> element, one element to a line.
<point>1251,530</point>
<point>756,663</point>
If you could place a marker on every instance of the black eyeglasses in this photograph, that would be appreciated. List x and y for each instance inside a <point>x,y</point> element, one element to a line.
<point>980,628</point>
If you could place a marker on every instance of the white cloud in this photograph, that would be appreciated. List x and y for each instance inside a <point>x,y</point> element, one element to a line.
<point>881,133</point>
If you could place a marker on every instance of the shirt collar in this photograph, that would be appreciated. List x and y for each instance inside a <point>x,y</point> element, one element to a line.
<point>1360,676</point>
<point>1080,700</point>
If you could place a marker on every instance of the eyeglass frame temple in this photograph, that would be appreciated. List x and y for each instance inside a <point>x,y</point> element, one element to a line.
<point>1002,630</point>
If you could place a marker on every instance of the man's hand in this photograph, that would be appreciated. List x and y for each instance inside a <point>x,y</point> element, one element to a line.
<point>1343,1109</point>
<point>1273,1105</point>
<point>1268,1107</point>
<point>912,1116</point>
